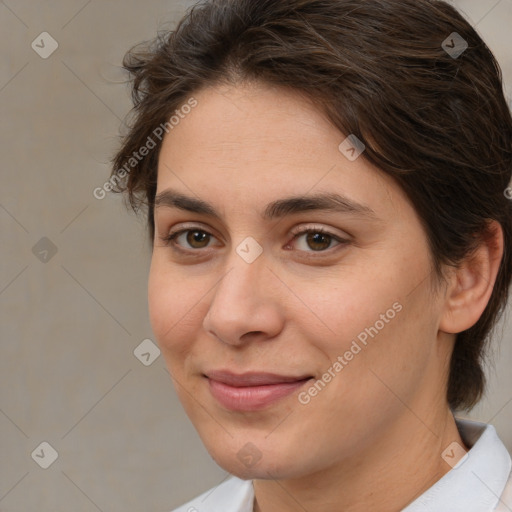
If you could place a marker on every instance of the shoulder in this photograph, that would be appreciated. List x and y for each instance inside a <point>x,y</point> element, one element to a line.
<point>480,481</point>
<point>505,503</point>
<point>232,495</point>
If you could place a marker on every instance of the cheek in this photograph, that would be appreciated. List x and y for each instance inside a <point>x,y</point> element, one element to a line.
<point>171,303</point>
<point>160,304</point>
<point>373,314</point>
<point>344,305</point>
<point>388,357</point>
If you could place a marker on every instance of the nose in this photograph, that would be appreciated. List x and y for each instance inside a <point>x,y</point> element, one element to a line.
<point>245,304</point>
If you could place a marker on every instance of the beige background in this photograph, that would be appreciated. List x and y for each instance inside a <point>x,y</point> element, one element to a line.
<point>69,326</point>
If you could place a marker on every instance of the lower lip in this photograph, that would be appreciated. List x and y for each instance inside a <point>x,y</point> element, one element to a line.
<point>252,398</point>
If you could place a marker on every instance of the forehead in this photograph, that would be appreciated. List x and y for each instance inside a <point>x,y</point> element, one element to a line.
<point>253,119</point>
<point>254,140</point>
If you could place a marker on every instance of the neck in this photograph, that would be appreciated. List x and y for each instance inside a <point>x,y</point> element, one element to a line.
<point>394,469</point>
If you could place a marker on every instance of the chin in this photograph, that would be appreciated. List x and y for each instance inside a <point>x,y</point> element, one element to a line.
<point>248,461</point>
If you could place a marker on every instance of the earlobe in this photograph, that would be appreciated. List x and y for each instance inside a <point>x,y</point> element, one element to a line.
<point>472,282</point>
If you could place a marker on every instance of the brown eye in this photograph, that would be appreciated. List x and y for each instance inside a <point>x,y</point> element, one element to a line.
<point>318,241</point>
<point>188,239</point>
<point>197,239</point>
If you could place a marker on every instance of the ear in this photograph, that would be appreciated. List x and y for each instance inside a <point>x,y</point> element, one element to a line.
<point>471,284</point>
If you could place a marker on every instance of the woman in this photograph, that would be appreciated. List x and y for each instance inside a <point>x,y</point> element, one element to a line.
<point>325,183</point>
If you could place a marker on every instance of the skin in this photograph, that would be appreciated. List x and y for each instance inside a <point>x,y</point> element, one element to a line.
<point>372,439</point>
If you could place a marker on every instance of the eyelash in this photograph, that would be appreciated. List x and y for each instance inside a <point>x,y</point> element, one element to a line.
<point>169,240</point>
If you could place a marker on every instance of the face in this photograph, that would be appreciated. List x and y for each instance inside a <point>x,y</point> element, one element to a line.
<point>289,326</point>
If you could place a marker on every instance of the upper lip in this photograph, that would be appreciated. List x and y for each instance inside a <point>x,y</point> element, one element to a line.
<point>252,378</point>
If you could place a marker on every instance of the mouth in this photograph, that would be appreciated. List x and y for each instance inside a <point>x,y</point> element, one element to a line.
<point>252,391</point>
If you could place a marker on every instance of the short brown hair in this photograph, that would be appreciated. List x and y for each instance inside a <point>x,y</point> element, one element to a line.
<point>438,123</point>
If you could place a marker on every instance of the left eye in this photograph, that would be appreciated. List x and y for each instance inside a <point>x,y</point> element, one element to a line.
<point>317,240</point>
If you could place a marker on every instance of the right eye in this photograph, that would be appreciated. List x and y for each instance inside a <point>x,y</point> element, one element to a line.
<point>188,240</point>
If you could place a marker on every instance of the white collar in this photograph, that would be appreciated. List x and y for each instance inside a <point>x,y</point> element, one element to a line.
<point>475,484</point>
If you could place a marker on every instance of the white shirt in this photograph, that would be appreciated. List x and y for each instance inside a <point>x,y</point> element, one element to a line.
<point>480,482</point>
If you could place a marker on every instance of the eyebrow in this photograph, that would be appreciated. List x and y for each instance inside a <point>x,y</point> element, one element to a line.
<point>276,209</point>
